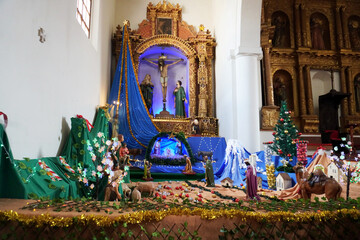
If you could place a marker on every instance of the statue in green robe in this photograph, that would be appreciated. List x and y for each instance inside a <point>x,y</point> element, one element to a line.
<point>179,100</point>
<point>209,172</point>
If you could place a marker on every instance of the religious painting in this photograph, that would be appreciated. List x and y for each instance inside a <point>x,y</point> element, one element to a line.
<point>164,26</point>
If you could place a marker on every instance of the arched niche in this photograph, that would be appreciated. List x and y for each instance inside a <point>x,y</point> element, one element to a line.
<point>354,31</point>
<point>283,88</point>
<point>320,33</point>
<point>281,37</point>
<point>177,71</point>
<point>175,48</point>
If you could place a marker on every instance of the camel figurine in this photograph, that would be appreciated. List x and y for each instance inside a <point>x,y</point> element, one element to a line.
<point>317,182</point>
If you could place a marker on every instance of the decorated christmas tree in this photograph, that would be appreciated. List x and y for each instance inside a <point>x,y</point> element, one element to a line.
<point>285,135</point>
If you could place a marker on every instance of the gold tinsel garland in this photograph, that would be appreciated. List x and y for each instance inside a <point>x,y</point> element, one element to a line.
<point>146,216</point>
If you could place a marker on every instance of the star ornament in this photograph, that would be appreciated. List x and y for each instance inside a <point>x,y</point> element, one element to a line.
<point>126,22</point>
<point>172,135</point>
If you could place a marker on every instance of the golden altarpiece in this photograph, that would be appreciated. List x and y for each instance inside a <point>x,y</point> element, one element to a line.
<point>300,35</point>
<point>197,47</point>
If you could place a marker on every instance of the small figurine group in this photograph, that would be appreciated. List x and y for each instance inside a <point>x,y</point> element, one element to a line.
<point>118,172</point>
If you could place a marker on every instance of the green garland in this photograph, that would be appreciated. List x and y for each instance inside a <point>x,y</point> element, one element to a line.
<point>180,136</point>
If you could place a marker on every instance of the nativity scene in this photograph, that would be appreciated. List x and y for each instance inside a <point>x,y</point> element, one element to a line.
<point>171,153</point>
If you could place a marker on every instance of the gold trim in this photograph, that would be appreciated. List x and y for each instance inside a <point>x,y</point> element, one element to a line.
<point>126,89</point>
<point>138,84</point>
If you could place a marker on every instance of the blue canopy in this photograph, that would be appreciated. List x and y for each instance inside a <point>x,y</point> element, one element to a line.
<point>134,120</point>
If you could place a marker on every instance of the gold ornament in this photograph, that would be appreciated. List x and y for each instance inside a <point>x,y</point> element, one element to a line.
<point>286,131</point>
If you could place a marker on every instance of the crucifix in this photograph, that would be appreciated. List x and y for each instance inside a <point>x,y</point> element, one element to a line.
<point>163,68</point>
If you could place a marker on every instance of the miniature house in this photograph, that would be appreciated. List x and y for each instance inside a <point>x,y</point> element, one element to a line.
<point>259,182</point>
<point>333,171</point>
<point>227,182</point>
<point>283,181</point>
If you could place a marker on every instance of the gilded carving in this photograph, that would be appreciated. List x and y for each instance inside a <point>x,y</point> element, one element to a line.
<point>294,59</point>
<point>199,48</point>
<point>269,117</point>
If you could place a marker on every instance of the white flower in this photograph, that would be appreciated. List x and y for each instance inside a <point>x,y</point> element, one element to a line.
<point>100,134</point>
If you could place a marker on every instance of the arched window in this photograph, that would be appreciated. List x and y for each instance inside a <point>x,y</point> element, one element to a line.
<point>83,15</point>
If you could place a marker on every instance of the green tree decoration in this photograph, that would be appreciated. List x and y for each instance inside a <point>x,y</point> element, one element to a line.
<point>285,136</point>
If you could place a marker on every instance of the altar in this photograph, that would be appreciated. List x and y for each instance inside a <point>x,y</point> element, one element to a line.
<point>164,51</point>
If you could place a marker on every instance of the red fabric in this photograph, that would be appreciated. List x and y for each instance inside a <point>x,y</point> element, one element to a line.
<point>89,126</point>
<point>5,118</point>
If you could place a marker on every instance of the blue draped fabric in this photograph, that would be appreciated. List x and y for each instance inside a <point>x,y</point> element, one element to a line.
<point>134,120</point>
<point>216,145</point>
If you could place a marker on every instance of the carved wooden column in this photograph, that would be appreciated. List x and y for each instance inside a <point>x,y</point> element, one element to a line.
<point>202,82</point>
<point>192,88</point>
<point>339,31</point>
<point>350,84</point>
<point>302,91</point>
<point>297,25</point>
<point>345,28</point>
<point>210,89</point>
<point>268,78</point>
<point>304,24</point>
<point>309,97</point>
<point>344,105</point>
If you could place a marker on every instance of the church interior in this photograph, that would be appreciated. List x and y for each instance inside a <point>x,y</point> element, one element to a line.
<point>165,119</point>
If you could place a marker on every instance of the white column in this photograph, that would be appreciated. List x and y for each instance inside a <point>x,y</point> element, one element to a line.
<point>247,97</point>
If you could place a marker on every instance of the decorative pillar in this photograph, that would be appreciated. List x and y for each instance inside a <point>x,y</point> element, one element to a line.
<point>268,78</point>
<point>304,30</point>
<point>202,79</point>
<point>309,97</point>
<point>302,91</point>
<point>350,84</point>
<point>344,105</point>
<point>192,87</point>
<point>339,28</point>
<point>210,88</point>
<point>202,82</point>
<point>345,28</point>
<point>297,25</point>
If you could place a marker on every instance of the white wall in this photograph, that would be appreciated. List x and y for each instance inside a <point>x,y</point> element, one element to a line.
<point>238,57</point>
<point>43,85</point>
